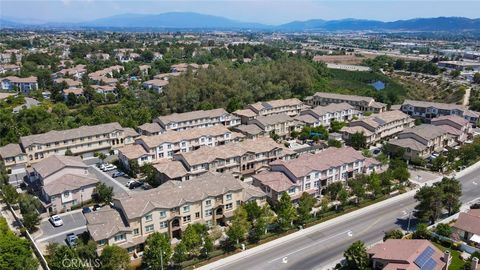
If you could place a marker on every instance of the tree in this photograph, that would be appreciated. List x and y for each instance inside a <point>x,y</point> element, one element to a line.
<point>476,78</point>
<point>422,232</point>
<point>334,143</point>
<point>357,257</point>
<point>86,249</point>
<point>71,99</point>
<point>64,257</point>
<point>101,156</point>
<point>181,253</point>
<point>455,73</point>
<point>443,230</point>
<point>114,257</point>
<point>10,194</point>
<point>429,205</point>
<point>343,197</point>
<point>452,191</point>
<point>208,246</point>
<point>103,193</point>
<point>28,208</point>
<point>240,225</point>
<point>286,212</point>
<point>150,174</point>
<point>335,126</point>
<point>157,251</point>
<point>358,140</point>
<point>15,251</point>
<point>304,209</point>
<point>192,238</point>
<point>393,234</point>
<point>333,189</point>
<point>357,186</point>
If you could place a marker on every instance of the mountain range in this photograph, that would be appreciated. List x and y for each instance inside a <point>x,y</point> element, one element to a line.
<point>196,21</point>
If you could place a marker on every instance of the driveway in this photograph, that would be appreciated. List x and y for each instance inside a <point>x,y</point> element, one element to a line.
<point>118,187</point>
<point>73,222</point>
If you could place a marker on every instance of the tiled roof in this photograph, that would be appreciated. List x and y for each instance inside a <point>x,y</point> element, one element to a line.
<point>442,106</point>
<point>357,129</point>
<point>344,97</point>
<point>10,150</point>
<point>277,181</point>
<point>171,168</point>
<point>273,119</point>
<point>469,221</point>
<point>408,143</point>
<point>105,223</point>
<point>384,118</point>
<point>133,151</point>
<point>151,127</point>
<point>188,116</point>
<point>251,129</point>
<point>245,112</point>
<point>454,118</point>
<point>55,163</point>
<point>275,103</point>
<point>15,79</point>
<point>68,182</point>
<point>425,131</point>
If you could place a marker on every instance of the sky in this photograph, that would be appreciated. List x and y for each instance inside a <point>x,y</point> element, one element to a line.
<point>261,11</point>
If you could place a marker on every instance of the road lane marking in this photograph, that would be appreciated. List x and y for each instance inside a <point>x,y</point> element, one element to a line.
<point>310,245</point>
<point>285,260</point>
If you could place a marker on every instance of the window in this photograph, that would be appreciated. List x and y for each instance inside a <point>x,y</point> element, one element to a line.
<point>291,190</point>
<point>119,237</point>
<point>187,219</point>
<point>197,215</point>
<point>101,242</point>
<point>208,202</point>
<point>148,217</point>
<point>307,186</point>
<point>163,225</point>
<point>228,197</point>
<point>136,231</point>
<point>208,212</point>
<point>229,206</point>
<point>163,214</point>
<point>186,209</point>
<point>149,228</point>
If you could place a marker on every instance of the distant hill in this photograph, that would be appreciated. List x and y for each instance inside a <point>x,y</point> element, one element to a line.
<point>196,21</point>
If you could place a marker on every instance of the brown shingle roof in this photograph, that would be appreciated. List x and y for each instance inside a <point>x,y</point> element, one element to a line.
<point>55,163</point>
<point>188,116</point>
<point>10,150</point>
<point>68,182</point>
<point>151,127</point>
<point>469,221</point>
<point>105,223</point>
<point>171,168</point>
<point>133,151</point>
<point>277,181</point>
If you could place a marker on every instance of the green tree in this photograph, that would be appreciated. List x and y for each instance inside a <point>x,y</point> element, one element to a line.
<point>304,208</point>
<point>443,230</point>
<point>335,126</point>
<point>157,252</point>
<point>86,249</point>
<point>476,78</point>
<point>343,197</point>
<point>208,246</point>
<point>393,234</point>
<point>358,140</point>
<point>101,156</point>
<point>333,189</point>
<point>10,194</point>
<point>192,239</point>
<point>334,143</point>
<point>429,207</point>
<point>15,251</point>
<point>114,258</point>
<point>64,257</point>
<point>103,193</point>
<point>286,212</point>
<point>422,232</point>
<point>150,174</point>
<point>240,225</point>
<point>452,191</point>
<point>181,253</point>
<point>357,257</point>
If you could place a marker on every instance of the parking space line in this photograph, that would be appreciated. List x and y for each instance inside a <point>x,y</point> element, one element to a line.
<point>60,233</point>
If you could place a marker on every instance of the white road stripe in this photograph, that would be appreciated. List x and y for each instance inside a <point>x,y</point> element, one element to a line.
<point>60,233</point>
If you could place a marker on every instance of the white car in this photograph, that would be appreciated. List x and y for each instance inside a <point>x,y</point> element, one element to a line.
<point>56,221</point>
<point>109,167</point>
<point>129,183</point>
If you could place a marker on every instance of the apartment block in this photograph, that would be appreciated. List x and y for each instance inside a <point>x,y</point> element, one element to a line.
<point>23,85</point>
<point>14,159</point>
<point>361,103</point>
<point>324,115</point>
<point>379,126</point>
<point>421,141</point>
<point>197,119</point>
<point>311,173</point>
<point>241,159</point>
<point>150,129</point>
<point>455,126</point>
<point>134,152</point>
<point>170,208</point>
<point>428,110</point>
<point>280,124</point>
<point>83,141</point>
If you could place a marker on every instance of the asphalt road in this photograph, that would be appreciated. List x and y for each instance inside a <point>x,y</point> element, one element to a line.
<point>73,222</point>
<point>318,249</point>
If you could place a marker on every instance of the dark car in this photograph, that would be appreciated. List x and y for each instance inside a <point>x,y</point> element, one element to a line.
<point>135,184</point>
<point>86,210</point>
<point>118,174</point>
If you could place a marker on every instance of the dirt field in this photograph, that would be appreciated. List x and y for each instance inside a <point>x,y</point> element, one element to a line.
<point>349,59</point>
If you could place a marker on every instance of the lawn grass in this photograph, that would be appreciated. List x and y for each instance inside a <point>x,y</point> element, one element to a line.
<point>457,263</point>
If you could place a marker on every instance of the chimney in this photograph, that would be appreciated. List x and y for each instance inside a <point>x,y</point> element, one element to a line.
<point>447,258</point>
<point>474,265</point>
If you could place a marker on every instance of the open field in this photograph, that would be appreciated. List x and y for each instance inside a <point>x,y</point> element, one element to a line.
<point>349,59</point>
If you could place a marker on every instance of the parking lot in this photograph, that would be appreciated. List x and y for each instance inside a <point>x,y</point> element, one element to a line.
<point>105,177</point>
<point>73,222</point>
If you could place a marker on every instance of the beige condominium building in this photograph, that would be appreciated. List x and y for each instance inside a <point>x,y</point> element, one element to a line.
<point>324,115</point>
<point>291,107</point>
<point>361,103</point>
<point>170,208</point>
<point>14,159</point>
<point>429,110</point>
<point>197,119</point>
<point>280,124</point>
<point>83,141</point>
<point>241,159</point>
<point>378,126</point>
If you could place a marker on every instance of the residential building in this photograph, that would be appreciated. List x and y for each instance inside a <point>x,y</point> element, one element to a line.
<point>14,159</point>
<point>4,68</point>
<point>105,89</point>
<point>197,119</point>
<point>361,103</point>
<point>324,115</point>
<point>83,141</point>
<point>250,131</point>
<point>76,72</point>
<point>171,170</point>
<point>467,227</point>
<point>380,126</point>
<point>408,254</point>
<point>455,126</point>
<point>312,173</point>
<point>428,110</point>
<point>291,107</point>
<point>77,92</point>
<point>420,141</point>
<point>134,152</point>
<point>150,129</point>
<point>170,208</point>
<point>156,85</point>
<point>280,124</point>
<point>241,159</point>
<point>172,142</point>
<point>69,83</point>
<point>23,85</point>
<point>9,56</point>
<point>62,182</point>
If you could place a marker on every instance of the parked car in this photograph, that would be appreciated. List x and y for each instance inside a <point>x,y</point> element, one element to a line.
<point>117,174</point>
<point>56,221</point>
<point>135,184</point>
<point>109,167</point>
<point>86,210</point>
<point>96,207</point>
<point>146,186</point>
<point>102,166</point>
<point>129,183</point>
<point>71,239</point>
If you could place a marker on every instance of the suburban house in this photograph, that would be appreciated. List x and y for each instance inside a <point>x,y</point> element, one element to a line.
<point>250,131</point>
<point>156,85</point>
<point>105,75</point>
<point>150,129</point>
<point>4,68</point>
<point>280,124</point>
<point>68,82</point>
<point>324,115</point>
<point>134,152</point>
<point>398,254</point>
<point>14,159</point>
<point>167,144</point>
<point>171,170</point>
<point>455,126</point>
<point>311,173</point>
<point>420,141</point>
<point>210,199</point>
<point>76,72</point>
<point>241,159</point>
<point>105,89</point>
<point>84,141</point>
<point>24,85</point>
<point>428,110</point>
<point>77,92</point>
<point>467,227</point>
<point>62,182</point>
<point>290,107</point>
<point>361,103</point>
<point>380,126</point>
<point>197,119</point>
